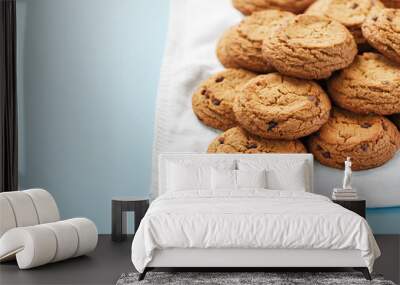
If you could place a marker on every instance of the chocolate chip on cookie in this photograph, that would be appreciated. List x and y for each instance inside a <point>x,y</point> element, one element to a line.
<point>345,135</point>
<point>248,7</point>
<point>274,106</point>
<point>382,31</point>
<point>396,120</point>
<point>350,13</point>
<point>310,47</point>
<point>238,140</point>
<point>370,85</point>
<point>391,3</point>
<point>213,99</point>
<point>243,44</point>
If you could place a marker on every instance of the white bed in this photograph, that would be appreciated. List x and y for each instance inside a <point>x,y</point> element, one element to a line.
<point>248,227</point>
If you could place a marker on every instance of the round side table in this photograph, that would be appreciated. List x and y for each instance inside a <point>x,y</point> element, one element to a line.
<point>121,205</point>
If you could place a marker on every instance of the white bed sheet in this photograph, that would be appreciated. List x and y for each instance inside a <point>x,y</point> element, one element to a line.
<point>252,218</point>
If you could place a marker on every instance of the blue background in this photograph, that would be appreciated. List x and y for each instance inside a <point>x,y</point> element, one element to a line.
<point>87,82</point>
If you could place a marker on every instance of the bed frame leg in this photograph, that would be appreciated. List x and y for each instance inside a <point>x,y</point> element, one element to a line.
<point>365,272</point>
<point>143,274</point>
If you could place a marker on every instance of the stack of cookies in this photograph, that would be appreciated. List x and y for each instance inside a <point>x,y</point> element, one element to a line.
<point>324,80</point>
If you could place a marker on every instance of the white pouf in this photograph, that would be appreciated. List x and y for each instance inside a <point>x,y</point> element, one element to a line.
<point>31,232</point>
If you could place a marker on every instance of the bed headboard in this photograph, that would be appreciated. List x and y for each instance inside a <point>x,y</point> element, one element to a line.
<point>165,158</point>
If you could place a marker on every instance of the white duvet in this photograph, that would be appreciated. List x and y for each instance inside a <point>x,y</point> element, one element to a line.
<point>250,219</point>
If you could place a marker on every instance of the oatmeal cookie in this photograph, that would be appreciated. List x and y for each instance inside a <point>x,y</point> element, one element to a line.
<point>244,43</point>
<point>382,31</point>
<point>213,99</point>
<point>223,57</point>
<point>275,106</point>
<point>310,47</point>
<point>350,13</point>
<point>370,140</point>
<point>238,140</point>
<point>370,85</point>
<point>247,7</point>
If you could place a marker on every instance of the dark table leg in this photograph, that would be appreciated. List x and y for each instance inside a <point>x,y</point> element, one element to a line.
<point>118,222</point>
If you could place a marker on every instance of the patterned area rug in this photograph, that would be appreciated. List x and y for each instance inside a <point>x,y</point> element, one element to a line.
<point>243,278</point>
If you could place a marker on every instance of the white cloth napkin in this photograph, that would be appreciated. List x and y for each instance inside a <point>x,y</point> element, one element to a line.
<point>194,29</point>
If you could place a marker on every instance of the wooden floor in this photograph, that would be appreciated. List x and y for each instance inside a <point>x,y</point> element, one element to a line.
<point>110,260</point>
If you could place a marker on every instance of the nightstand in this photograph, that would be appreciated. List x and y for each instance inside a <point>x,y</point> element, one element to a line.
<point>356,206</point>
<point>121,205</point>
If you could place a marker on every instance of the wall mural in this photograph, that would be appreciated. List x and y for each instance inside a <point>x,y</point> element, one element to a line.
<point>281,83</point>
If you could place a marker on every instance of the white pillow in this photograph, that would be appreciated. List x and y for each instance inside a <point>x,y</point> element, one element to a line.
<point>226,179</point>
<point>184,177</point>
<point>223,179</point>
<point>287,175</point>
<point>172,177</point>
<point>251,178</point>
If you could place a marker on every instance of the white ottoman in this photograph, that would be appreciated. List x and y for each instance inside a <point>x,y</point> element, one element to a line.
<point>31,232</point>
